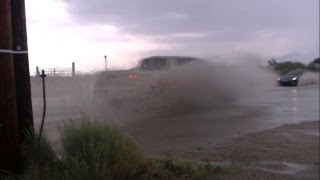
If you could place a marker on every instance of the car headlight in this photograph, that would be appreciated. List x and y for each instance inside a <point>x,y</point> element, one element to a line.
<point>279,79</point>
<point>294,78</point>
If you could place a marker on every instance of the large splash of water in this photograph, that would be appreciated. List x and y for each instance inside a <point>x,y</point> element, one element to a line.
<point>195,87</point>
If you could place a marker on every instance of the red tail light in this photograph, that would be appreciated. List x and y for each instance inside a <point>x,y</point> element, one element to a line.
<point>132,76</point>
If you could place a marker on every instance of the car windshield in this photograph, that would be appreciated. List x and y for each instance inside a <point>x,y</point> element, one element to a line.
<point>295,73</point>
<point>185,60</point>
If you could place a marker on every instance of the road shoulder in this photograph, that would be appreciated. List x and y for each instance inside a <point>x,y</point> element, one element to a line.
<point>290,151</point>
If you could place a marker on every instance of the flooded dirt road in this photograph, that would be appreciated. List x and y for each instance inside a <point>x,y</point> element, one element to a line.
<point>278,106</point>
<point>281,105</point>
<point>240,135</point>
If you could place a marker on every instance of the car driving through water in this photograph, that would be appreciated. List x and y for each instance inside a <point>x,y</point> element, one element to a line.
<point>147,68</point>
<point>291,78</point>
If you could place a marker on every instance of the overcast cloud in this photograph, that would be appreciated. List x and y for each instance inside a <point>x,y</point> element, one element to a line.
<point>158,17</point>
<point>127,29</point>
<point>289,25</point>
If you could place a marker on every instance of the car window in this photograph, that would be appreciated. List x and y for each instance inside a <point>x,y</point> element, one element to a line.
<point>295,73</point>
<point>184,60</point>
<point>154,64</point>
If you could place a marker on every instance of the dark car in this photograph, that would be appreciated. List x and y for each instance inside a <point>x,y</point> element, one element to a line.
<point>291,78</point>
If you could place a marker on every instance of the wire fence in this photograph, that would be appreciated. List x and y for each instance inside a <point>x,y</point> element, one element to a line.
<point>58,71</point>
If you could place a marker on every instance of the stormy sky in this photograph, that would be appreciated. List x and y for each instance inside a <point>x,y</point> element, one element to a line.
<point>126,30</point>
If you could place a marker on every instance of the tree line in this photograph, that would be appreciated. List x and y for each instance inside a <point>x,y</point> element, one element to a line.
<point>285,67</point>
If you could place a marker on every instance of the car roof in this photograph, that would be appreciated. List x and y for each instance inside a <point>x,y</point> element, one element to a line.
<point>169,57</point>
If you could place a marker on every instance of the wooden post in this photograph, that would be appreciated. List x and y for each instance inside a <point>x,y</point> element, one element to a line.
<point>37,72</point>
<point>21,67</point>
<point>9,135</point>
<point>105,62</point>
<point>73,69</point>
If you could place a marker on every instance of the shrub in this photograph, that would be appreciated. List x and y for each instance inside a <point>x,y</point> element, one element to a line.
<point>93,150</point>
<point>38,160</point>
<point>97,151</point>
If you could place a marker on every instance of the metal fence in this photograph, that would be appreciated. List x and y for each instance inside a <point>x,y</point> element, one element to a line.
<point>58,71</point>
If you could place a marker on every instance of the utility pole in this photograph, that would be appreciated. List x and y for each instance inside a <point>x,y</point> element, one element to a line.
<point>9,128</point>
<point>21,67</point>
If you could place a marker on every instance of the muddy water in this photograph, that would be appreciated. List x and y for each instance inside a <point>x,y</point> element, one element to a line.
<point>291,104</point>
<point>189,130</point>
<point>280,105</point>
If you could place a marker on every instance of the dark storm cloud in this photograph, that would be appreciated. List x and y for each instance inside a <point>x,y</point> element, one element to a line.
<point>154,17</point>
<point>231,20</point>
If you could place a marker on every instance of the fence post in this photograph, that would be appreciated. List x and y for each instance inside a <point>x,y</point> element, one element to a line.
<point>37,72</point>
<point>105,62</point>
<point>54,72</point>
<point>73,69</point>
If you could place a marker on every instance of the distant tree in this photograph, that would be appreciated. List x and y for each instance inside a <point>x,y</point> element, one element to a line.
<point>316,60</point>
<point>272,62</point>
<point>314,65</point>
<point>285,67</point>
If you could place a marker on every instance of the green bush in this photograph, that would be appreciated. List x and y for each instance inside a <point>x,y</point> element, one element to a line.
<point>94,150</point>
<point>98,151</point>
<point>38,160</point>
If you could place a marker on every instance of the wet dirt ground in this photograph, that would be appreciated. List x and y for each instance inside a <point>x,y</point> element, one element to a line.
<point>242,135</point>
<point>286,152</point>
<point>279,106</point>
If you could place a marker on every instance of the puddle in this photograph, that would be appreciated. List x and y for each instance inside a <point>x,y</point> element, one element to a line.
<point>314,132</point>
<point>282,167</point>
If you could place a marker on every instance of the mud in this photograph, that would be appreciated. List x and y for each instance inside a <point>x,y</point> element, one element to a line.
<point>286,152</point>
